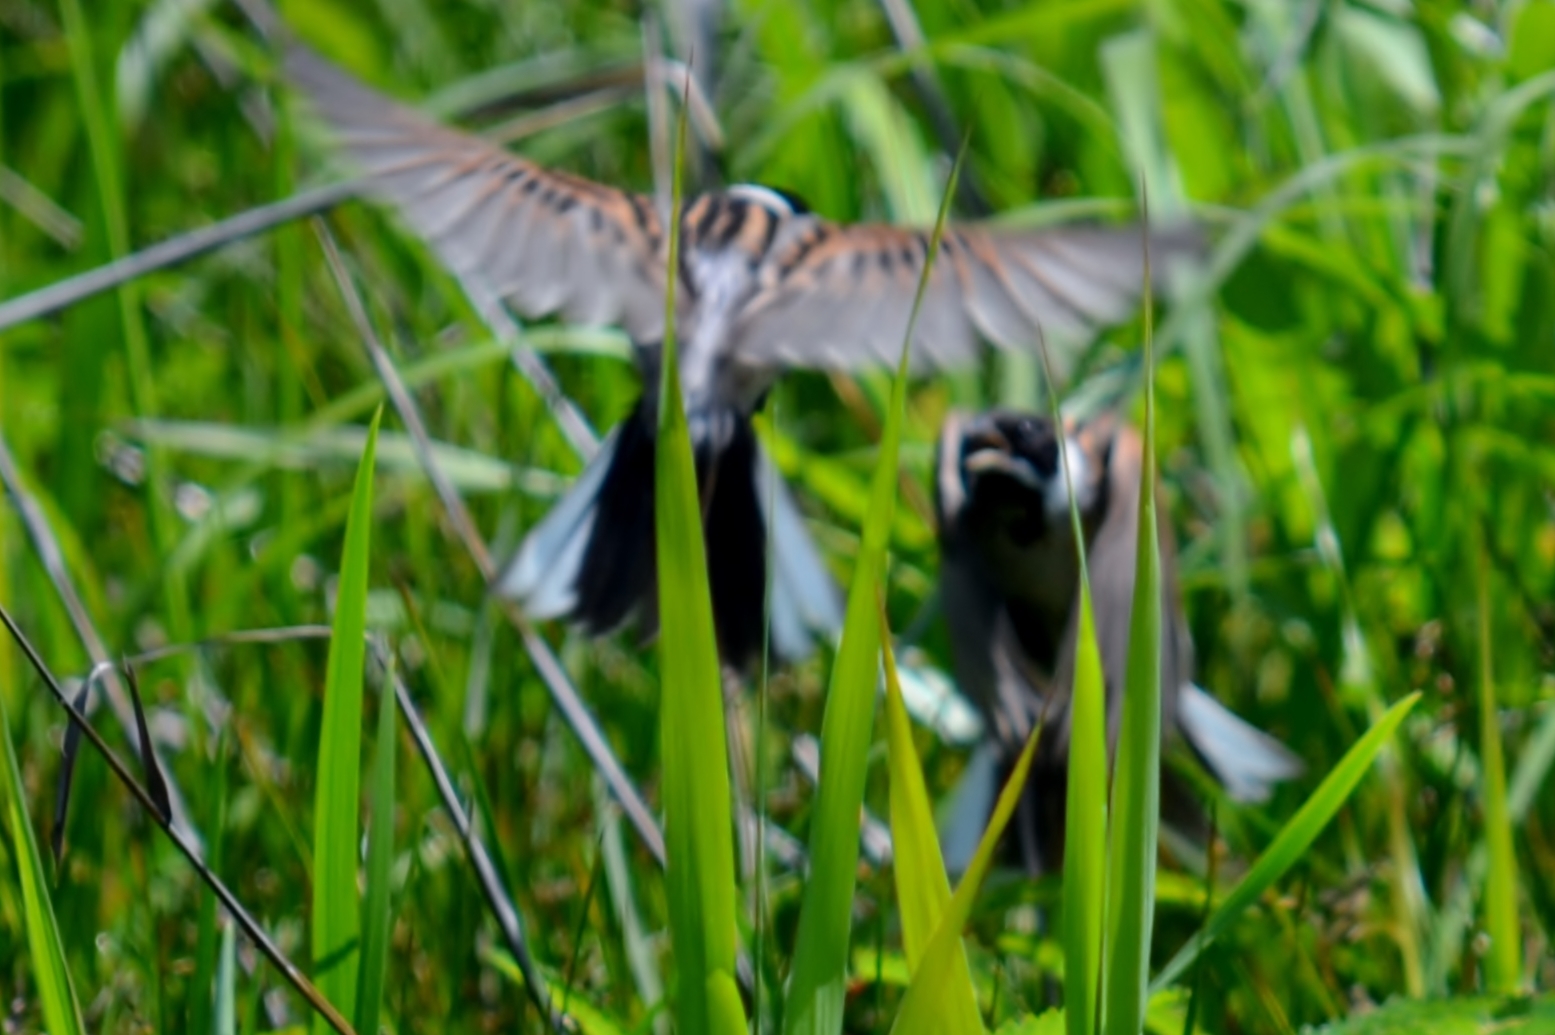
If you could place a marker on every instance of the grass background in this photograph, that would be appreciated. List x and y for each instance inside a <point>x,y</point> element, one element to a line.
<point>1361,418</point>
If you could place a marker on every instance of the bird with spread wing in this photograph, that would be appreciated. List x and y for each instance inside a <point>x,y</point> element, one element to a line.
<point>762,286</point>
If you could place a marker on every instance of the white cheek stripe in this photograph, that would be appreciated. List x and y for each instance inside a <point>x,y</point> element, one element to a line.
<point>1079,470</point>
<point>766,197</point>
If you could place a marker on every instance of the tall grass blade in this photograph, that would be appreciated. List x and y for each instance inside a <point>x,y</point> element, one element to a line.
<point>1085,823</point>
<point>1085,796</point>
<point>818,980</point>
<point>1503,967</point>
<point>699,837</point>
<point>1136,787</point>
<point>336,909</point>
<point>376,912</point>
<point>61,1012</point>
<point>928,1005</point>
<point>1292,841</point>
<point>922,888</point>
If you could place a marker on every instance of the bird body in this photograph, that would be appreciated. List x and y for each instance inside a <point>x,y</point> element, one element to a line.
<point>762,285</point>
<point>1010,579</point>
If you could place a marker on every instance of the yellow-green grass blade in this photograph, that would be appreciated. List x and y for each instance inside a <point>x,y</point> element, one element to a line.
<point>818,980</point>
<point>1136,787</point>
<point>1292,841</point>
<point>336,909</point>
<point>61,1012</point>
<point>922,888</point>
<point>1085,824</point>
<point>698,831</point>
<point>929,1006</point>
<point>1085,795</point>
<point>376,913</point>
<point>1503,966</point>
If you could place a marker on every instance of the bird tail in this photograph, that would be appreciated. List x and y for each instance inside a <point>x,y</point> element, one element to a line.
<point>1247,761</point>
<point>592,559</point>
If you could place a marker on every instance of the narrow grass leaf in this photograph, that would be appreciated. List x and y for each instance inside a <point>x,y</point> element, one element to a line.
<point>922,888</point>
<point>930,1005</point>
<point>1503,966</point>
<point>1085,795</point>
<point>46,952</point>
<point>376,912</point>
<point>1085,823</point>
<point>698,831</point>
<point>819,978</point>
<point>70,751</point>
<point>1292,841</point>
<point>1136,788</point>
<point>226,1022</point>
<point>336,910</point>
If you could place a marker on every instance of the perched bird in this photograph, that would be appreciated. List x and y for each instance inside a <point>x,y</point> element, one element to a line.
<point>1009,583</point>
<point>762,285</point>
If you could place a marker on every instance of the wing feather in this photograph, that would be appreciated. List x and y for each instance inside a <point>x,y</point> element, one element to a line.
<point>544,241</point>
<point>839,297</point>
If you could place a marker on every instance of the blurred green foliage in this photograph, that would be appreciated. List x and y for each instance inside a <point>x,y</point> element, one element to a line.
<point>1370,397</point>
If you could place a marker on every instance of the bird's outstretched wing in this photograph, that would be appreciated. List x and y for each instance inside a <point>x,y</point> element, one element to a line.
<point>839,297</point>
<point>543,241</point>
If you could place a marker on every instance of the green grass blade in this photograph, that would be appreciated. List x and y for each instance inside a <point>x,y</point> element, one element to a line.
<point>226,1022</point>
<point>1503,967</point>
<point>61,1012</point>
<point>698,834</point>
<point>376,913</point>
<point>1085,824</point>
<point>818,980</point>
<point>336,909</point>
<point>930,1005</point>
<point>1085,796</point>
<point>1136,787</point>
<point>1292,841</point>
<point>922,888</point>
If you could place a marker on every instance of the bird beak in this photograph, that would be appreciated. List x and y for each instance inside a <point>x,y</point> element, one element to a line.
<point>994,458</point>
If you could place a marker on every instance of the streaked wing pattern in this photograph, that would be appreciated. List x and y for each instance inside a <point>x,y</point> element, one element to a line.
<point>543,241</point>
<point>839,297</point>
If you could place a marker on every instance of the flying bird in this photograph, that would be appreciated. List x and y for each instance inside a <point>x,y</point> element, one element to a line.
<point>1009,583</point>
<point>762,285</point>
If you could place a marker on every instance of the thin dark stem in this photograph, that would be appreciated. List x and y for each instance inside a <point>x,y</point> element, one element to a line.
<point>497,898</point>
<point>229,901</point>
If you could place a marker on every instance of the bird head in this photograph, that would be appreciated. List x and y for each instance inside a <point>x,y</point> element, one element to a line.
<point>1005,471</point>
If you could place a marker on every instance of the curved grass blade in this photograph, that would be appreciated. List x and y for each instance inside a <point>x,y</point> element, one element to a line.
<point>336,909</point>
<point>376,911</point>
<point>922,887</point>
<point>698,834</point>
<point>818,980</point>
<point>928,1005</point>
<point>61,1011</point>
<point>1503,966</point>
<point>1136,786</point>
<point>1292,841</point>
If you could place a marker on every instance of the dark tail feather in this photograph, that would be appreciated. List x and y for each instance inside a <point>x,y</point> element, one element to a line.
<point>592,560</point>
